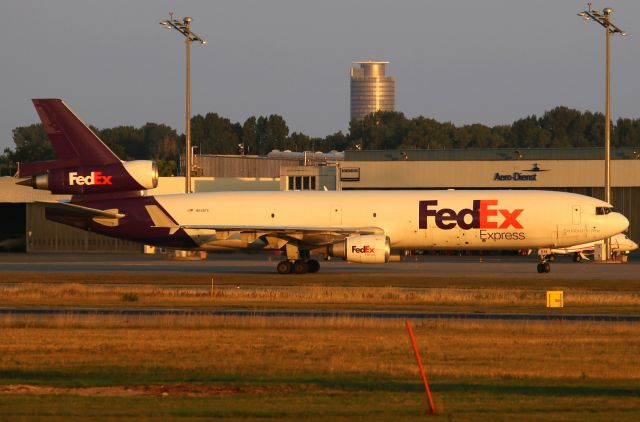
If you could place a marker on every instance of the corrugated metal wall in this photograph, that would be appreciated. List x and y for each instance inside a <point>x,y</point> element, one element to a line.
<point>240,166</point>
<point>47,236</point>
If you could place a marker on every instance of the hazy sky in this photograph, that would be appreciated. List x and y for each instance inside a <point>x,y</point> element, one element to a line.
<point>463,61</point>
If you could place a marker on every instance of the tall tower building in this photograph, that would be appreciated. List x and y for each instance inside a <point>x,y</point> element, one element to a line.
<point>371,90</point>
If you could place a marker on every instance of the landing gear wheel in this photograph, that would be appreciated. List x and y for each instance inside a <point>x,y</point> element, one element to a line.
<point>577,257</point>
<point>284,267</point>
<point>300,267</point>
<point>544,267</point>
<point>313,266</point>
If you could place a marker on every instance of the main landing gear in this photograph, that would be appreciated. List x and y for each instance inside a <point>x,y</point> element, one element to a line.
<point>297,262</point>
<point>298,266</point>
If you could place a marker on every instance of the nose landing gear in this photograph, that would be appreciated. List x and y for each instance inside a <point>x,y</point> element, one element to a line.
<point>545,256</point>
<point>544,267</point>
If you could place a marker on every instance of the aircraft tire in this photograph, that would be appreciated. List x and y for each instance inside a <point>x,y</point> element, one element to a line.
<point>300,267</point>
<point>546,267</point>
<point>540,268</point>
<point>313,266</point>
<point>577,257</point>
<point>284,267</point>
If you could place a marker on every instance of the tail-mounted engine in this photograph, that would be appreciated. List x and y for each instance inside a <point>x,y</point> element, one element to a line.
<point>365,249</point>
<point>117,177</point>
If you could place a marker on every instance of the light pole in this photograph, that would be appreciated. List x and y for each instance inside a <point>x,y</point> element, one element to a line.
<point>603,18</point>
<point>184,27</point>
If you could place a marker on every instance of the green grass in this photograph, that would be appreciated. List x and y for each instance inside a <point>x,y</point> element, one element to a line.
<point>345,400</point>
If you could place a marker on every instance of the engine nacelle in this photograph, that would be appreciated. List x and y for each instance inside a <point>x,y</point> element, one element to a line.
<point>119,177</point>
<point>365,249</point>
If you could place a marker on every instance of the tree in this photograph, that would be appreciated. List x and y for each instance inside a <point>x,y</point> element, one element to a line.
<point>298,142</point>
<point>272,133</point>
<point>214,134</point>
<point>425,133</point>
<point>127,142</point>
<point>32,144</point>
<point>250,135</point>
<point>626,133</point>
<point>478,136</point>
<point>337,141</point>
<point>161,141</point>
<point>527,133</point>
<point>558,127</point>
<point>277,132</point>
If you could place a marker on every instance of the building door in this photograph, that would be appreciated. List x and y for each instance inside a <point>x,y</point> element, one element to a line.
<point>13,231</point>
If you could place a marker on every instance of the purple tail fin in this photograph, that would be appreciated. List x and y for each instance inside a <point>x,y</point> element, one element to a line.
<point>85,165</point>
<point>74,143</point>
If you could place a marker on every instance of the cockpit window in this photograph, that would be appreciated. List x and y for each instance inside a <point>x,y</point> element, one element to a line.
<point>603,210</point>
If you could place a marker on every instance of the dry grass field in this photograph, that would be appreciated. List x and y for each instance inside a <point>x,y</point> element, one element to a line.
<point>190,367</point>
<point>485,299</point>
<point>283,368</point>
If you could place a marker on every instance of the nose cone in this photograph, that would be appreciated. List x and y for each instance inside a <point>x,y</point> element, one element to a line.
<point>632,245</point>
<point>616,223</point>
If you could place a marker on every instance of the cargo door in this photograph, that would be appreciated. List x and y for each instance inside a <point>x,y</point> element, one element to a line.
<point>576,211</point>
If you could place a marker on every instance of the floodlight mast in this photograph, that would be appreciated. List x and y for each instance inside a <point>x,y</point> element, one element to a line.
<point>603,18</point>
<point>184,27</point>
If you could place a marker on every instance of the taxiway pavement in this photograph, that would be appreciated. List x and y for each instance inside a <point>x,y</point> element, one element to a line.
<point>426,266</point>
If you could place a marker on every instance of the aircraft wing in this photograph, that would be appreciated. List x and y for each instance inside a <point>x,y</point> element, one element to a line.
<point>312,236</point>
<point>289,229</point>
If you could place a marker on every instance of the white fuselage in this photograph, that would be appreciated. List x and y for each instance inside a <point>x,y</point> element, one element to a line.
<point>429,219</point>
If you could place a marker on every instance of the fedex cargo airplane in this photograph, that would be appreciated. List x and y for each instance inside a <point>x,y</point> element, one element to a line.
<point>109,197</point>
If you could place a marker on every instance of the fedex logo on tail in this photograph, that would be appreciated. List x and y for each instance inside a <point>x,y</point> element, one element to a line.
<point>95,178</point>
<point>484,214</point>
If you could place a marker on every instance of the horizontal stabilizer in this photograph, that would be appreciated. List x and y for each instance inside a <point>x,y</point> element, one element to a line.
<point>78,210</point>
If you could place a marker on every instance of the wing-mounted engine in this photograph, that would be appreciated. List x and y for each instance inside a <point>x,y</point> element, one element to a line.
<point>365,249</point>
<point>118,177</point>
